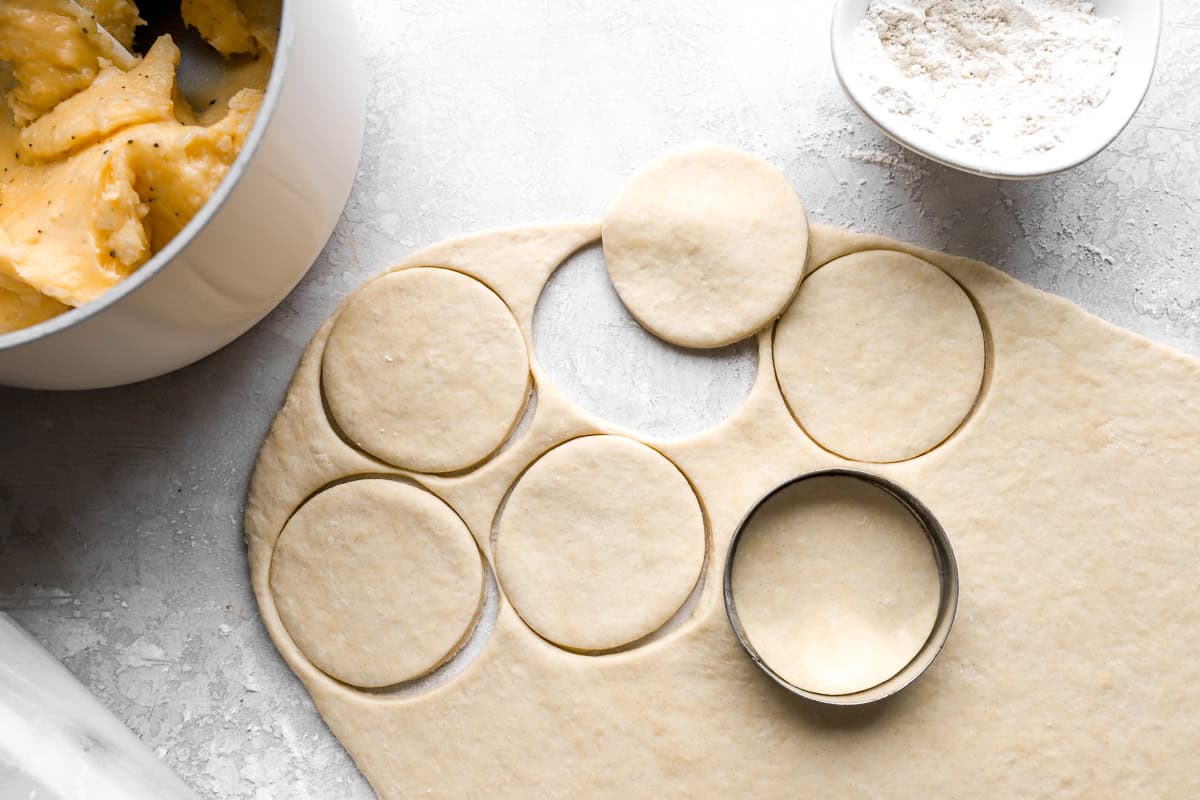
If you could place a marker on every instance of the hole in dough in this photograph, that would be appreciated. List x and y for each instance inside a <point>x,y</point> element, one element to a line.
<point>606,362</point>
<point>706,247</point>
<point>376,581</point>
<point>882,356</point>
<point>836,584</point>
<point>600,543</point>
<point>524,422</point>
<point>426,369</point>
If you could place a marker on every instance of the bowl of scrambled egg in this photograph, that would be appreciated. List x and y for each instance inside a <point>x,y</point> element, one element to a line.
<point>164,182</point>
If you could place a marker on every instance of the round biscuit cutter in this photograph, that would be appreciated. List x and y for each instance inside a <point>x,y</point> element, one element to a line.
<point>947,606</point>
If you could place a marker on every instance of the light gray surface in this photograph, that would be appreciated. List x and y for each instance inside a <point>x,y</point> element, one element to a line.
<point>120,538</point>
<point>58,742</point>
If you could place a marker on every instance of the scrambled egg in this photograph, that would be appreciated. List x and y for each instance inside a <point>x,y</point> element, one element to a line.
<point>235,26</point>
<point>119,17</point>
<point>102,161</point>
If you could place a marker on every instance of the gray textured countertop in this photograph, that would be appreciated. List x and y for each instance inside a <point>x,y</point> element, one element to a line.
<point>120,535</point>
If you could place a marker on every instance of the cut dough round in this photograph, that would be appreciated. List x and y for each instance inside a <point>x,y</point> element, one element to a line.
<point>376,581</point>
<point>601,542</point>
<point>881,357</point>
<point>836,584</point>
<point>706,247</point>
<point>426,369</point>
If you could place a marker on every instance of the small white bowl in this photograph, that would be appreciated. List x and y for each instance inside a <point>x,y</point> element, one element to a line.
<point>1141,21</point>
<point>249,245</point>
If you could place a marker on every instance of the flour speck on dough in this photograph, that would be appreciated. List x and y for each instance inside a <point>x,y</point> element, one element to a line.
<point>991,77</point>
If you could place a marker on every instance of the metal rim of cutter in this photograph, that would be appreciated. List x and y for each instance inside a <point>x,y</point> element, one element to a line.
<point>947,606</point>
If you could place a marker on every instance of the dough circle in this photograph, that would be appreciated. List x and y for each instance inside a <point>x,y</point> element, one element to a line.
<point>426,369</point>
<point>707,246</point>
<point>881,357</point>
<point>600,543</point>
<point>836,584</point>
<point>376,581</point>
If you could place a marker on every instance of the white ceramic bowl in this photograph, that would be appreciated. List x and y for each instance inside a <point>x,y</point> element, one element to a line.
<point>1141,21</point>
<point>248,246</point>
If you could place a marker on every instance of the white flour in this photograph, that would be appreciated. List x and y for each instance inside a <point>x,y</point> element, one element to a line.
<point>988,77</point>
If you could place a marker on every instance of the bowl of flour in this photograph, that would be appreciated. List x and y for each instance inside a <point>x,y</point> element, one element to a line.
<point>1011,89</point>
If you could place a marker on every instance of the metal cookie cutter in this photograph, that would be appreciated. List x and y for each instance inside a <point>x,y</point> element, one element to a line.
<point>947,573</point>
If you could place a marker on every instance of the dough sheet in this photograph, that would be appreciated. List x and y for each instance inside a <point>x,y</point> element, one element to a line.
<point>1071,495</point>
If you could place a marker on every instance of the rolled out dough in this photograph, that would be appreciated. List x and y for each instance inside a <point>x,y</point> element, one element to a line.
<point>1071,498</point>
<point>836,584</point>
<point>881,357</point>
<point>600,543</point>
<point>426,369</point>
<point>376,581</point>
<point>706,247</point>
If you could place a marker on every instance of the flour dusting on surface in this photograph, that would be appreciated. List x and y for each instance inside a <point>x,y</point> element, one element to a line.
<point>988,77</point>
